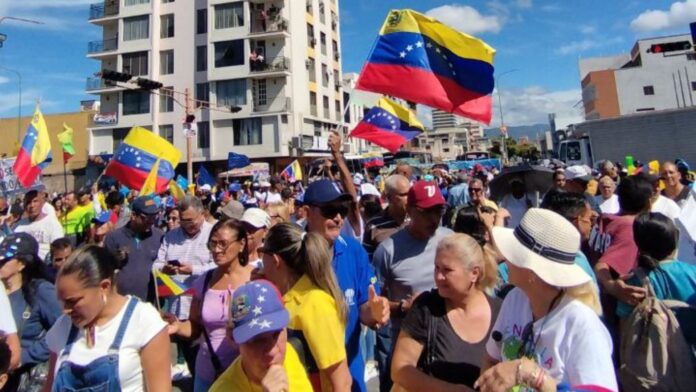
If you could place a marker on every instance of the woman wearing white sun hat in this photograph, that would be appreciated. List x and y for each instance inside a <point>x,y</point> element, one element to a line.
<point>548,331</point>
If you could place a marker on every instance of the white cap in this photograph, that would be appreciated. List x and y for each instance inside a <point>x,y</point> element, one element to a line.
<point>256,217</point>
<point>264,184</point>
<point>358,179</point>
<point>578,172</point>
<point>205,187</point>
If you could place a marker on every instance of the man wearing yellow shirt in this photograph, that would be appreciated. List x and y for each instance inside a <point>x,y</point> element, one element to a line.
<point>266,361</point>
<point>77,219</point>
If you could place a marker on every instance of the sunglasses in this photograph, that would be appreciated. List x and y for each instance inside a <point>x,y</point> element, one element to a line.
<point>330,211</point>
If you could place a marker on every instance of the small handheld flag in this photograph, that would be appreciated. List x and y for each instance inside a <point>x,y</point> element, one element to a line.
<point>35,152</point>
<point>65,139</point>
<point>422,60</point>
<point>388,125</point>
<point>293,172</point>
<point>167,286</point>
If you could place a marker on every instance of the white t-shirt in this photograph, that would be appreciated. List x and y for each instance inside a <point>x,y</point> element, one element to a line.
<point>573,347</point>
<point>49,210</point>
<point>666,207</point>
<point>45,230</point>
<point>610,205</point>
<point>516,208</point>
<point>347,230</point>
<point>145,324</point>
<point>273,198</point>
<point>7,323</point>
<point>260,196</point>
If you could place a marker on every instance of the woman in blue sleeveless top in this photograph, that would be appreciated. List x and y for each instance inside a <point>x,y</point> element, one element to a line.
<point>105,342</point>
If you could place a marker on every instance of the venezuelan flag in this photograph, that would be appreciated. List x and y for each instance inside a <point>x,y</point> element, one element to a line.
<point>175,189</point>
<point>422,60</point>
<point>167,287</point>
<point>293,172</point>
<point>138,154</point>
<point>388,125</point>
<point>373,162</point>
<point>35,153</point>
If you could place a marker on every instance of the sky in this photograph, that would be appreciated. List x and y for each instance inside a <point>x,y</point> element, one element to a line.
<point>538,45</point>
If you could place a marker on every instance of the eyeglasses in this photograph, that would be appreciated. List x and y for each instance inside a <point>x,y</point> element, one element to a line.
<point>475,190</point>
<point>331,210</point>
<point>222,245</point>
<point>172,218</point>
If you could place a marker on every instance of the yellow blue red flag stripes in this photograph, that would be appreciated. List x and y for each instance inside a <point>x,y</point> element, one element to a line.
<point>167,286</point>
<point>35,153</point>
<point>138,154</point>
<point>150,184</point>
<point>293,172</point>
<point>388,125</point>
<point>422,60</point>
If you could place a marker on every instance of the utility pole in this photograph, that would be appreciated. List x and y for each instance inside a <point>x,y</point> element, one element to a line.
<point>503,127</point>
<point>189,136</point>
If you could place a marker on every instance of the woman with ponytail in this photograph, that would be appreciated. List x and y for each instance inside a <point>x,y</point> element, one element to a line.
<point>443,338</point>
<point>299,264</point>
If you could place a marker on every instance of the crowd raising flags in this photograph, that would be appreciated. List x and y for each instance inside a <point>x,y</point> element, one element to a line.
<point>388,125</point>
<point>35,152</point>
<point>138,154</point>
<point>445,69</point>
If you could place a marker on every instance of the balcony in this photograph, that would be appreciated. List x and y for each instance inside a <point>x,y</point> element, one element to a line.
<point>279,66</point>
<point>101,46</point>
<point>96,84</point>
<point>272,105</point>
<point>270,26</point>
<point>103,9</point>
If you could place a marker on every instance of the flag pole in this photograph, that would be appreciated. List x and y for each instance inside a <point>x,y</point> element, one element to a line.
<point>65,173</point>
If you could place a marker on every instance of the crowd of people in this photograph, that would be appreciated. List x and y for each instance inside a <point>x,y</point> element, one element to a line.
<point>426,282</point>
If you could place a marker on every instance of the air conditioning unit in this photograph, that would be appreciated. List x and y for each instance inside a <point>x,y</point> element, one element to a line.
<point>347,148</point>
<point>295,142</point>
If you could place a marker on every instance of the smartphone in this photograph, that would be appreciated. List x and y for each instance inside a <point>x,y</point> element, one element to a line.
<point>174,263</point>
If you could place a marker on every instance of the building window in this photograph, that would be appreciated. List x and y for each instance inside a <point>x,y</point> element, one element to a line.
<point>135,63</point>
<point>166,100</point>
<point>322,12</point>
<point>334,46</point>
<point>311,41</point>
<point>326,108</point>
<point>338,110</point>
<point>167,132</point>
<point>312,69</point>
<point>202,21</point>
<point>118,135</point>
<point>322,41</point>
<point>203,134</point>
<point>166,62</point>
<point>167,26</point>
<point>136,102</point>
<point>167,1</point>
<point>202,95</point>
<point>247,131</point>
<point>229,15</point>
<point>229,53</point>
<point>261,93</point>
<point>693,86</point>
<point>231,92</point>
<point>445,150</point>
<point>137,27</point>
<point>136,2</point>
<point>337,80</point>
<point>313,103</point>
<point>324,75</point>
<point>648,90</point>
<point>201,58</point>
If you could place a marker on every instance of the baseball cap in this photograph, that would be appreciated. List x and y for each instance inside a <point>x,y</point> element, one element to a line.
<point>256,308</point>
<point>264,184</point>
<point>425,194</point>
<point>358,179</point>
<point>233,210</point>
<point>324,191</point>
<point>145,205</point>
<point>235,187</point>
<point>256,217</point>
<point>578,172</point>
<point>18,244</point>
<point>102,217</point>
<point>205,188</point>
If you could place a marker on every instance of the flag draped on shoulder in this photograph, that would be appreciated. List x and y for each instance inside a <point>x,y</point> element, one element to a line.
<point>388,125</point>
<point>65,139</point>
<point>35,152</point>
<point>422,60</point>
<point>293,172</point>
<point>135,158</point>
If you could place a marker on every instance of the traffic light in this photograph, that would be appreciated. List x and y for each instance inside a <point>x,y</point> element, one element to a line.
<point>114,76</point>
<point>147,84</point>
<point>669,47</point>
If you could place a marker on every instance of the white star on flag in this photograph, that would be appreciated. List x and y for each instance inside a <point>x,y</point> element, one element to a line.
<point>264,324</point>
<point>402,54</point>
<point>409,48</point>
<point>437,50</point>
<point>261,298</point>
<point>429,45</point>
<point>257,310</point>
<point>419,44</point>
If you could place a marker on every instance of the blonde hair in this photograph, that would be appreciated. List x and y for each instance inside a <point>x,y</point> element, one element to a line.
<point>471,254</point>
<point>586,294</point>
<point>307,254</point>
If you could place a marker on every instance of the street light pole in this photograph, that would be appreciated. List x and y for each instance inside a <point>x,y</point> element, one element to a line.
<point>19,109</point>
<point>503,128</point>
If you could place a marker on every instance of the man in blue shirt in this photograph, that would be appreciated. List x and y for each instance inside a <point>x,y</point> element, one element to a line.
<point>326,207</point>
<point>459,194</point>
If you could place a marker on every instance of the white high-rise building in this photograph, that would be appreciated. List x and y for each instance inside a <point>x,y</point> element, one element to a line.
<point>285,101</point>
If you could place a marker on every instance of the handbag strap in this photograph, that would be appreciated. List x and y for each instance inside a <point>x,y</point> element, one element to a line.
<point>213,356</point>
<point>640,273</point>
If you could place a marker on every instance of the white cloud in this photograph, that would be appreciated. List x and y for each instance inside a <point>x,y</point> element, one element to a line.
<point>4,80</point>
<point>34,4</point>
<point>425,115</point>
<point>523,3</point>
<point>576,47</point>
<point>680,14</point>
<point>551,8</point>
<point>532,105</point>
<point>466,19</point>
<point>588,29</point>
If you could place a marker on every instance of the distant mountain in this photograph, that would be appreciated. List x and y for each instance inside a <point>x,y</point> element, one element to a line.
<point>516,132</point>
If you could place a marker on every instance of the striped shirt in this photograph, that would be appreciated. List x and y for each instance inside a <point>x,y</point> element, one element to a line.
<point>177,245</point>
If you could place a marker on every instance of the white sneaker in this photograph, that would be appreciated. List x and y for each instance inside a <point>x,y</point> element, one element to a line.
<point>371,370</point>
<point>180,371</point>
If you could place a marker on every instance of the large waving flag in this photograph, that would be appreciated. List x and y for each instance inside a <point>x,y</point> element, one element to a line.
<point>422,60</point>
<point>388,125</point>
<point>150,184</point>
<point>293,172</point>
<point>35,153</point>
<point>138,154</point>
<point>65,139</point>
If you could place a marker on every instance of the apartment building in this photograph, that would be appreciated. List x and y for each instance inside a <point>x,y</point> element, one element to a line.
<point>265,74</point>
